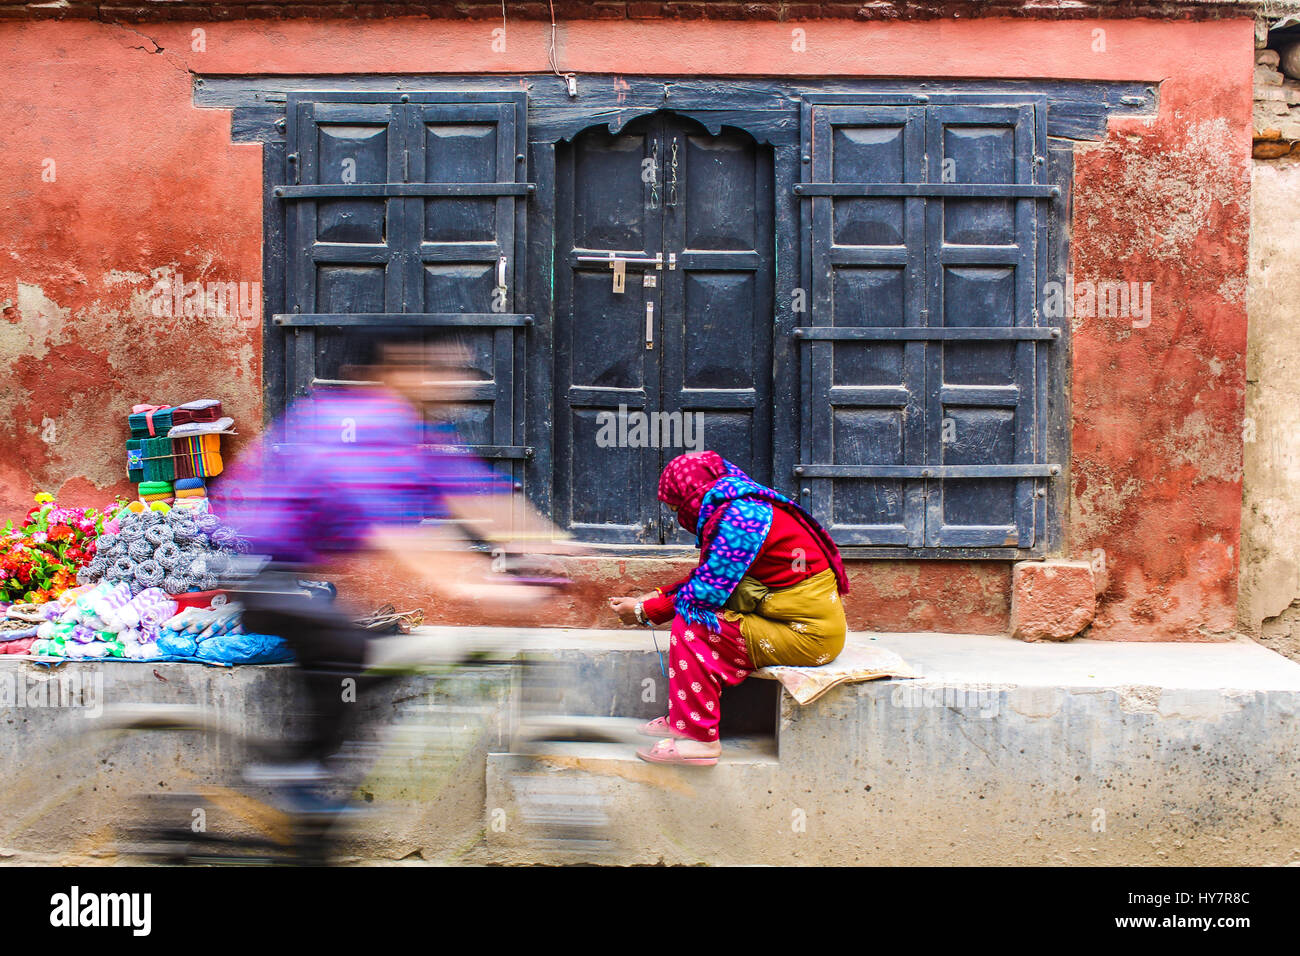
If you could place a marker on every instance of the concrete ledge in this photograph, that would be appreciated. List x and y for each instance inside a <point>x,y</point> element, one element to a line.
<point>1005,752</point>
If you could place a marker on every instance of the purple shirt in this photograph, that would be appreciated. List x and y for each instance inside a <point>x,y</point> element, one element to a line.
<point>339,464</point>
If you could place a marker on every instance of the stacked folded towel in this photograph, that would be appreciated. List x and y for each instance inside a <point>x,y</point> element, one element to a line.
<point>202,410</point>
<point>171,442</point>
<point>197,456</point>
<point>190,490</point>
<point>150,421</point>
<point>151,491</point>
<point>159,460</point>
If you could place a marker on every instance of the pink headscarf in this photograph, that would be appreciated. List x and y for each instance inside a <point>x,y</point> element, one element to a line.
<point>685,481</point>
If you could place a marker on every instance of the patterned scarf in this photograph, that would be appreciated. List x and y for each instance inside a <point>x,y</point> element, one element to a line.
<point>731,515</point>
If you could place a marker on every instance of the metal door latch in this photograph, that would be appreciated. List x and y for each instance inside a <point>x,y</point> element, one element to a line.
<point>620,273</point>
<point>649,325</point>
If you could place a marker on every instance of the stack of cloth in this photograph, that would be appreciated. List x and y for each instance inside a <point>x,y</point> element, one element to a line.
<point>18,626</point>
<point>150,421</point>
<point>151,491</point>
<point>171,442</point>
<point>190,492</point>
<point>157,459</point>
<point>197,454</point>
<point>104,620</point>
<point>202,410</point>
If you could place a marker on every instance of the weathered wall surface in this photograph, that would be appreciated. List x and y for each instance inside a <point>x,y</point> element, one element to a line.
<point>1270,575</point>
<point>145,187</point>
<point>969,597</point>
<point>1157,407</point>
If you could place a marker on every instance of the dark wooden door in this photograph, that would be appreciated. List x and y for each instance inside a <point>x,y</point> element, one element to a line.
<point>690,214</point>
<point>922,350</point>
<point>407,210</point>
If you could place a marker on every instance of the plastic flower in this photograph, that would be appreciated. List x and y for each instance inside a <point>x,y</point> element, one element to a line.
<point>39,558</point>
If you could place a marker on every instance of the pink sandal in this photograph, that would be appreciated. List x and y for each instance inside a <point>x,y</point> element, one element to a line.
<point>665,751</point>
<point>659,728</point>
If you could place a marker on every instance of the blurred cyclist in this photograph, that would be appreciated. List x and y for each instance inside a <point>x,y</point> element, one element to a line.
<point>357,467</point>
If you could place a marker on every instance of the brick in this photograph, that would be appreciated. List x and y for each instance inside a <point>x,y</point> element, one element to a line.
<point>839,11</point>
<point>724,11</point>
<point>578,10</point>
<point>596,11</point>
<point>1270,150</point>
<point>1051,600</point>
<point>802,11</point>
<point>684,11</point>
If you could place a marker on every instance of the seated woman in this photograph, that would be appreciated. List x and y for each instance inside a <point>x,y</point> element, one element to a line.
<point>766,591</point>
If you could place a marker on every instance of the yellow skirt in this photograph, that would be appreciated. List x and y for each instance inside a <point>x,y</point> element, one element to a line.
<point>803,625</point>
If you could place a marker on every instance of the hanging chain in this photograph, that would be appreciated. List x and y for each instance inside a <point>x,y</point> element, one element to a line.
<point>672,187</point>
<point>654,174</point>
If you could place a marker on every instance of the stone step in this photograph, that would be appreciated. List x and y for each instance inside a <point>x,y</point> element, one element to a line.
<point>571,801</point>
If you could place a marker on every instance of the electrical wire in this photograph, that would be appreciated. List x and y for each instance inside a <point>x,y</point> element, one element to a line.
<point>550,54</point>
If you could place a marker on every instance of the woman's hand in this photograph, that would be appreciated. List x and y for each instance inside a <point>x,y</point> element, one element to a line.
<point>625,608</point>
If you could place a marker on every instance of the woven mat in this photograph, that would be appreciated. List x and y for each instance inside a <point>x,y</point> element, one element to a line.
<point>861,660</point>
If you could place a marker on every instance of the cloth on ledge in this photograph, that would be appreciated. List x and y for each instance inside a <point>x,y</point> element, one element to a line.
<point>861,660</point>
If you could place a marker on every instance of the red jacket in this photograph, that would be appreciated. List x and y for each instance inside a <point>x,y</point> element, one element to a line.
<point>789,555</point>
